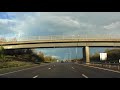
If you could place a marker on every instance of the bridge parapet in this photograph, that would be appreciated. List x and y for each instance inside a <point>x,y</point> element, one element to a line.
<point>61,37</point>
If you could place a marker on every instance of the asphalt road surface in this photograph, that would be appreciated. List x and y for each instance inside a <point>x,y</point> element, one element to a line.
<point>62,70</point>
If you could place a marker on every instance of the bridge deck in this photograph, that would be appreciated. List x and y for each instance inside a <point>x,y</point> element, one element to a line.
<point>59,41</point>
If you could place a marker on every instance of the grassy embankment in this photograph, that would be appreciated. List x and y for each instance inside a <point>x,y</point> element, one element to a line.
<point>11,60</point>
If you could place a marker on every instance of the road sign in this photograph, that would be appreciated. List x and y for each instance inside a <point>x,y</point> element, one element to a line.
<point>119,60</point>
<point>103,56</point>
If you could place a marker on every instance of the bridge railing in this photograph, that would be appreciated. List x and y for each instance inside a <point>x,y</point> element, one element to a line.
<point>60,37</point>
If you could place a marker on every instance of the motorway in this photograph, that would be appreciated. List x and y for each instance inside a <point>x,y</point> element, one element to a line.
<point>61,70</point>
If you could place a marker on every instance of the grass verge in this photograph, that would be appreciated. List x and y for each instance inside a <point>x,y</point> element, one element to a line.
<point>15,65</point>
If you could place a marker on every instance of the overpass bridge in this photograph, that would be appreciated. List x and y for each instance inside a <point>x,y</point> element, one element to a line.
<point>62,42</point>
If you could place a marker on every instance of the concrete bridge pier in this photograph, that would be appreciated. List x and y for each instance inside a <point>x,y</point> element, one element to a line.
<point>86,54</point>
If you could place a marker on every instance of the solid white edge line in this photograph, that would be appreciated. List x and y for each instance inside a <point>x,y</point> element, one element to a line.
<point>84,75</point>
<point>102,68</point>
<point>35,76</point>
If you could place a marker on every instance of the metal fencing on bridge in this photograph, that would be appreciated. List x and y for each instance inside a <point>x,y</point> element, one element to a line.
<point>59,37</point>
<point>62,37</point>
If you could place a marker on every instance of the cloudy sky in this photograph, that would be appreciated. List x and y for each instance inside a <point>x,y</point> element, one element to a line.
<point>21,24</point>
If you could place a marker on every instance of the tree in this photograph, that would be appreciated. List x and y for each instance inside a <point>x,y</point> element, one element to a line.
<point>113,55</point>
<point>95,57</point>
<point>107,50</point>
<point>41,56</point>
<point>2,56</point>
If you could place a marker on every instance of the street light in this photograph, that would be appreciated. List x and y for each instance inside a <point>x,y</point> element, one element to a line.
<point>67,56</point>
<point>76,53</point>
<point>86,36</point>
<point>76,49</point>
<point>62,36</point>
<point>70,53</point>
<point>78,36</point>
<point>73,36</point>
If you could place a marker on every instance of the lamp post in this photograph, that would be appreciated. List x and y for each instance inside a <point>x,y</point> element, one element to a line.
<point>70,53</point>
<point>78,36</point>
<point>73,36</point>
<point>76,53</point>
<point>76,48</point>
<point>67,58</point>
<point>62,36</point>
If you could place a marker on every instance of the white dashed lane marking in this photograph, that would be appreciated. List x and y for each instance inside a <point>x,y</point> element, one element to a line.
<point>73,68</point>
<point>84,75</point>
<point>35,76</point>
<point>49,68</point>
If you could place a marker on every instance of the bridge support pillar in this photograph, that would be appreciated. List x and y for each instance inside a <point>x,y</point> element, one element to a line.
<point>86,54</point>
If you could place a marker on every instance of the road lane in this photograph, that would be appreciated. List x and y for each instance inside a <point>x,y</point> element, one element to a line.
<point>96,73</point>
<point>25,73</point>
<point>63,70</point>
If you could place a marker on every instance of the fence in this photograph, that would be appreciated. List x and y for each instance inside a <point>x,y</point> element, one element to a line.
<point>113,66</point>
<point>59,37</point>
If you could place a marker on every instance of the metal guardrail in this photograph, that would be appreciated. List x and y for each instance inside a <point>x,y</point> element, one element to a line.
<point>113,66</point>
